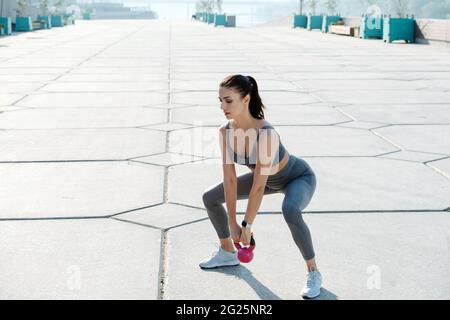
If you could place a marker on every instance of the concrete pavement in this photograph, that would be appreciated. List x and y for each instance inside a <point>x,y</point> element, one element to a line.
<point>108,137</point>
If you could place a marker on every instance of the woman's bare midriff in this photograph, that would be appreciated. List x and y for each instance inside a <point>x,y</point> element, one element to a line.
<point>281,165</point>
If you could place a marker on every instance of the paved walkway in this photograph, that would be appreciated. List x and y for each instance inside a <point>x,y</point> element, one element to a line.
<point>108,138</point>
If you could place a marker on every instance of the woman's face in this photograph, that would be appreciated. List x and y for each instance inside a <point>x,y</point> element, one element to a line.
<point>231,102</point>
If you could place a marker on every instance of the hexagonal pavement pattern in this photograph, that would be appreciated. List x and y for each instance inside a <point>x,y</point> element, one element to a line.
<point>422,157</point>
<point>108,87</point>
<point>442,165</point>
<point>73,144</point>
<point>77,189</point>
<point>400,113</point>
<point>303,115</point>
<point>78,259</point>
<point>349,247</point>
<point>164,216</point>
<point>427,138</point>
<point>81,118</point>
<point>168,159</point>
<point>269,97</point>
<point>113,98</point>
<point>9,98</point>
<point>108,139</point>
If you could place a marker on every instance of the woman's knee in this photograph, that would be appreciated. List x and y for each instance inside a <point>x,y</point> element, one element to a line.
<point>207,197</point>
<point>211,197</point>
<point>290,209</point>
<point>292,212</point>
<point>299,196</point>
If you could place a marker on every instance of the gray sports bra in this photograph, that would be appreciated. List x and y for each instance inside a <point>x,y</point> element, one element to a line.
<point>246,160</point>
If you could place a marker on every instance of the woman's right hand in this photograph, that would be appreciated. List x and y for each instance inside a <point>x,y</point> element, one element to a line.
<point>235,230</point>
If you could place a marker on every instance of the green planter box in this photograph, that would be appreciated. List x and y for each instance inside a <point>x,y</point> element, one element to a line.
<point>371,28</point>
<point>6,25</point>
<point>24,24</point>
<point>210,18</point>
<point>327,20</point>
<point>57,21</point>
<point>47,20</point>
<point>314,22</point>
<point>220,20</point>
<point>299,21</point>
<point>398,29</point>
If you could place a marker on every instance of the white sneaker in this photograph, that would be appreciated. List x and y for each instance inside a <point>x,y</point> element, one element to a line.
<point>221,258</point>
<point>313,284</point>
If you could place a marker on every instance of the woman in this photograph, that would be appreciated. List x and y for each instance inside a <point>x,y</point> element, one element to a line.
<point>273,170</point>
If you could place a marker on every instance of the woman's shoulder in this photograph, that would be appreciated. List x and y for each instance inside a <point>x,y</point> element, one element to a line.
<point>262,125</point>
<point>224,126</point>
<point>266,124</point>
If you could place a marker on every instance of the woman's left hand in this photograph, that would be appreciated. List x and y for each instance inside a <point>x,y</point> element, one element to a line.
<point>245,236</point>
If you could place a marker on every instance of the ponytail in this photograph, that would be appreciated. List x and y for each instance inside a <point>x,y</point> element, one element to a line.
<point>246,85</point>
<point>256,106</point>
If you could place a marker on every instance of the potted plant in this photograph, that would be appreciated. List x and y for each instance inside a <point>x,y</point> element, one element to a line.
<point>44,17</point>
<point>207,7</point>
<point>57,17</point>
<point>23,23</point>
<point>5,23</point>
<point>400,27</point>
<point>314,21</point>
<point>331,16</point>
<point>210,18</point>
<point>371,27</point>
<point>372,21</point>
<point>220,19</point>
<point>300,20</point>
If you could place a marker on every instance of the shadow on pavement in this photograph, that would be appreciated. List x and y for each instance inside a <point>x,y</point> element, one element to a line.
<point>326,295</point>
<point>261,290</point>
<point>243,273</point>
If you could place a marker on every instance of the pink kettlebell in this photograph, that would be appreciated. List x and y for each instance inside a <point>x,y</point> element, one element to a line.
<point>245,254</point>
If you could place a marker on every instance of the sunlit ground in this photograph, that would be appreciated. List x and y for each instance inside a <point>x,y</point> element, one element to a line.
<point>117,120</point>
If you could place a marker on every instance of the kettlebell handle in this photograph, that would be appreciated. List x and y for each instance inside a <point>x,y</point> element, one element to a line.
<point>252,243</point>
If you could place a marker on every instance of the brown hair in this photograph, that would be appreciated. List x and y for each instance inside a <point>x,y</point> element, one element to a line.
<point>246,85</point>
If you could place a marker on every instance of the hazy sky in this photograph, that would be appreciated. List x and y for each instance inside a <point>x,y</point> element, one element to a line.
<point>242,11</point>
<point>265,10</point>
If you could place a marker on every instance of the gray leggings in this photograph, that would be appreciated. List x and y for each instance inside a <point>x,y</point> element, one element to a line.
<point>296,180</point>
